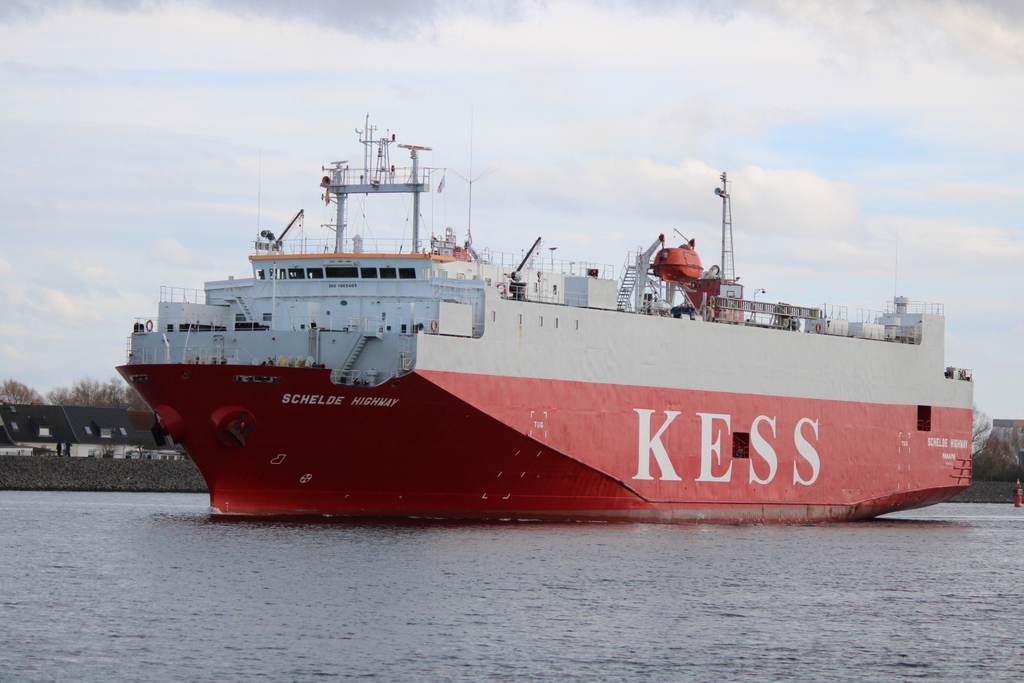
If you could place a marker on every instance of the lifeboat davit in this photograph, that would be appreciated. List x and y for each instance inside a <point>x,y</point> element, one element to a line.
<point>678,264</point>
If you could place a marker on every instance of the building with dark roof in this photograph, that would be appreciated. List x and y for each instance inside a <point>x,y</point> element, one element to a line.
<point>80,431</point>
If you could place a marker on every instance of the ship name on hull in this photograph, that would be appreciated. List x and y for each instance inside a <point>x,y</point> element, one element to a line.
<point>763,433</point>
<point>322,400</point>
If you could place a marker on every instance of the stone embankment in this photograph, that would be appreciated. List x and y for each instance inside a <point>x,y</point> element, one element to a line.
<point>986,492</point>
<point>41,473</point>
<point>32,473</point>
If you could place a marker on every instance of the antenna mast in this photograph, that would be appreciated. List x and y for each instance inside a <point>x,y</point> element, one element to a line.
<point>378,176</point>
<point>728,273</point>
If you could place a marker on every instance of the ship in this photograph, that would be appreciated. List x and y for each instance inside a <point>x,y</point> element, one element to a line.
<point>356,376</point>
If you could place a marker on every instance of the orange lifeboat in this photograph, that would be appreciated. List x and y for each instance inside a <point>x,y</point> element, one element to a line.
<point>679,264</point>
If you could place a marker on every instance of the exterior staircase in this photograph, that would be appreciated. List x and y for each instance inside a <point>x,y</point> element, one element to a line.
<point>625,299</point>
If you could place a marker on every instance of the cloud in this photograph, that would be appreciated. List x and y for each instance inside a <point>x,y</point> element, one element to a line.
<point>381,19</point>
<point>170,250</point>
<point>151,139</point>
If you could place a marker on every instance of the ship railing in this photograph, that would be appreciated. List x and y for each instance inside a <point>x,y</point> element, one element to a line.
<point>181,295</point>
<point>395,246</point>
<point>547,264</point>
<point>760,313</point>
<point>344,176</point>
<point>358,377</point>
<point>367,377</point>
<point>963,374</point>
<point>183,324</point>
<point>195,355</point>
<point>903,334</point>
<point>923,307</point>
<point>835,312</point>
<point>870,316</point>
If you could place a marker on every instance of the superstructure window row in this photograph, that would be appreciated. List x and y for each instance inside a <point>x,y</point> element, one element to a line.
<point>337,272</point>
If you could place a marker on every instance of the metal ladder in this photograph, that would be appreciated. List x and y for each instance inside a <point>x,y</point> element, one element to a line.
<point>245,309</point>
<point>965,467</point>
<point>354,355</point>
<point>624,302</point>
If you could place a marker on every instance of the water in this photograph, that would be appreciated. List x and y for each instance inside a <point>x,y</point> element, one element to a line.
<point>146,587</point>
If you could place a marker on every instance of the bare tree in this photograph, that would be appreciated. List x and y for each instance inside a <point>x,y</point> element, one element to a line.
<point>982,430</point>
<point>90,392</point>
<point>13,391</point>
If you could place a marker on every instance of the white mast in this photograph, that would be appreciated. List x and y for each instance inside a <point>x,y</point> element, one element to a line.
<point>378,176</point>
<point>728,273</point>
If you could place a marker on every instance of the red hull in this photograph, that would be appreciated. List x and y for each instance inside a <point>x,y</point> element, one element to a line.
<point>468,446</point>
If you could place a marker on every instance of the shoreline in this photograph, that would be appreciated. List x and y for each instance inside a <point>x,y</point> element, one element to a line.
<point>51,473</point>
<point>48,473</point>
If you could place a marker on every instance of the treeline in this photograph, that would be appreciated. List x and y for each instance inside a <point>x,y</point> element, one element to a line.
<point>996,455</point>
<point>82,392</point>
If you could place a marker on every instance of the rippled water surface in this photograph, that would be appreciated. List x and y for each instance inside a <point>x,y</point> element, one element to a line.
<point>146,587</point>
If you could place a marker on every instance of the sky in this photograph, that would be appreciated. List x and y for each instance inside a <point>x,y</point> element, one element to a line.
<point>873,149</point>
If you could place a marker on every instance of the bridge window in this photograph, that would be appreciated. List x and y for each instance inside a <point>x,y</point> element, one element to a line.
<point>924,418</point>
<point>342,271</point>
<point>388,273</point>
<point>368,273</point>
<point>315,273</point>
